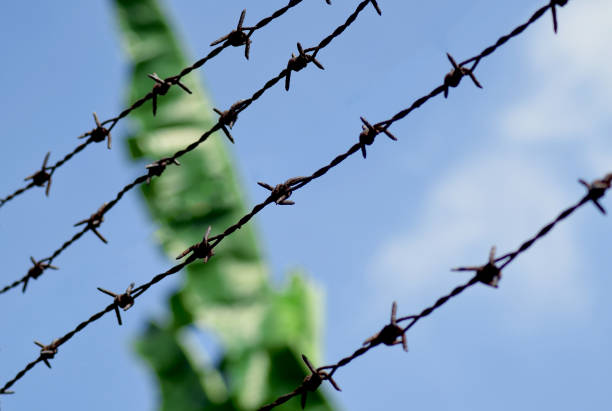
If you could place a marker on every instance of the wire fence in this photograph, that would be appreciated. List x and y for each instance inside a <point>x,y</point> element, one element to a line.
<point>241,36</point>
<point>393,333</point>
<point>226,121</point>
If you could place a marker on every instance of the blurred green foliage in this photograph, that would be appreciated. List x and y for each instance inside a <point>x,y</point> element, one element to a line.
<point>262,331</point>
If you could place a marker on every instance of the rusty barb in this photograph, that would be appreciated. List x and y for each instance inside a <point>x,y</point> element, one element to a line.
<point>453,78</point>
<point>392,333</point>
<point>38,267</point>
<point>238,37</point>
<point>200,251</point>
<point>281,192</point>
<point>369,133</point>
<point>47,352</point>
<point>42,176</point>
<point>229,117</point>
<point>312,382</point>
<point>597,189</point>
<point>297,63</point>
<point>553,9</point>
<point>94,222</point>
<point>161,87</point>
<point>99,134</point>
<point>124,301</point>
<point>488,273</point>
<point>157,168</point>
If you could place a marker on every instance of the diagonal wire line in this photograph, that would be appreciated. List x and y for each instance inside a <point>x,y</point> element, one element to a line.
<point>488,273</point>
<point>156,169</point>
<point>100,133</point>
<point>394,331</point>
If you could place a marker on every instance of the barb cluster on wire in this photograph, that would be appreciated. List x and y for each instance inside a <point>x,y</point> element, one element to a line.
<point>241,36</point>
<point>392,333</point>
<point>226,121</point>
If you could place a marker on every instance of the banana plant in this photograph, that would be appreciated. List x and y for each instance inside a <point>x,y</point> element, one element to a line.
<point>261,331</point>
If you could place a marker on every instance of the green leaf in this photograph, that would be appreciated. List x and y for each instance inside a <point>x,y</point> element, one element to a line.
<point>262,331</point>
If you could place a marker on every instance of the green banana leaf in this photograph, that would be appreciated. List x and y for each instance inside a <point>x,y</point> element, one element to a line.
<point>262,331</point>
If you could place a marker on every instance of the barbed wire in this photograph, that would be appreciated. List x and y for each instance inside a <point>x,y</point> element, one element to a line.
<point>226,120</point>
<point>391,334</point>
<point>241,36</point>
<point>488,273</point>
<point>394,334</point>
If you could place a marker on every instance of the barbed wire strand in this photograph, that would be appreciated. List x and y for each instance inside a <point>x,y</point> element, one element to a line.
<point>279,195</point>
<point>204,250</point>
<point>390,333</point>
<point>227,118</point>
<point>100,133</point>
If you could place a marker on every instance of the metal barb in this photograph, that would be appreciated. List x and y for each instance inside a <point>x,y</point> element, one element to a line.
<point>42,177</point>
<point>390,333</point>
<point>297,63</point>
<point>228,118</point>
<point>157,168</point>
<point>47,352</point>
<point>596,190</point>
<point>201,250</point>
<point>488,273</point>
<point>99,134</point>
<point>375,4</point>
<point>238,37</point>
<point>281,192</point>
<point>312,382</point>
<point>161,87</point>
<point>369,133</point>
<point>553,9</point>
<point>36,271</point>
<point>94,222</point>
<point>124,301</point>
<point>453,78</point>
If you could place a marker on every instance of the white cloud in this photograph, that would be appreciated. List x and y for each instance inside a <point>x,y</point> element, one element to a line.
<point>570,84</point>
<point>493,200</point>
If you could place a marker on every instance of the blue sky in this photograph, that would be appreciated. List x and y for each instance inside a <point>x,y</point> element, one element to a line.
<point>485,167</point>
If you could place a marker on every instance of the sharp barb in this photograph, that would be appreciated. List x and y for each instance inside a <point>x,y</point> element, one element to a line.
<point>184,87</point>
<point>331,380</point>
<point>308,364</point>
<point>219,40</point>
<point>118,315</point>
<point>599,206</point>
<point>239,27</point>
<point>288,78</point>
<point>452,60</point>
<point>404,343</point>
<point>44,165</point>
<point>112,294</point>
<point>266,186</point>
<point>227,133</point>
<point>474,80</point>
<point>375,4</point>
<point>97,233</point>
